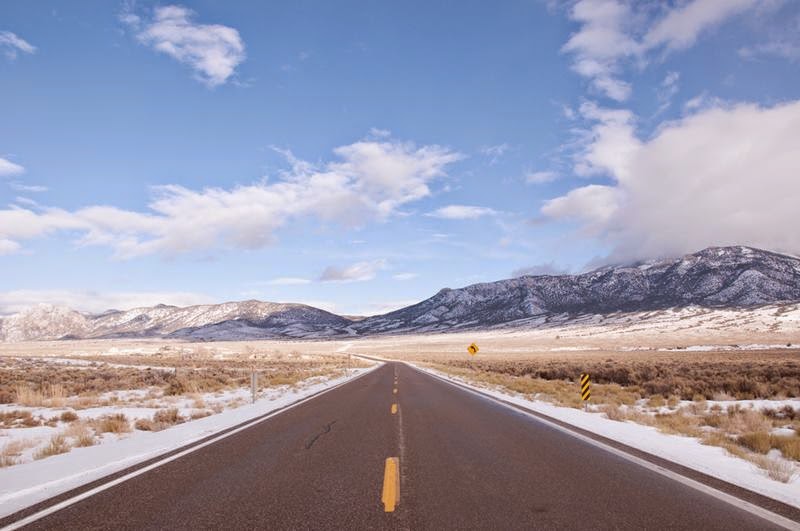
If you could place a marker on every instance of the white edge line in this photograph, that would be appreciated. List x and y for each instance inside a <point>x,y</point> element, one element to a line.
<point>697,485</point>
<point>105,486</point>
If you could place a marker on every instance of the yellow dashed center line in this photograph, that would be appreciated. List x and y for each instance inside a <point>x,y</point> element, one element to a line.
<point>394,390</point>
<point>394,409</point>
<point>391,484</point>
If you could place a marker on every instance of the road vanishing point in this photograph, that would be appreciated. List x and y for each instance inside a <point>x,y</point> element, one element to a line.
<point>397,448</point>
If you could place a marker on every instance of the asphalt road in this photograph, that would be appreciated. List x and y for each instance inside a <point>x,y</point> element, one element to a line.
<point>464,462</point>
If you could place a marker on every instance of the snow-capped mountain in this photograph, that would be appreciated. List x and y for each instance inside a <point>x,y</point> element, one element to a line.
<point>714,277</point>
<point>231,320</point>
<point>717,277</point>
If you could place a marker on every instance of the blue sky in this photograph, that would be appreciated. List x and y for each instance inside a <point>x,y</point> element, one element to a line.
<point>360,156</point>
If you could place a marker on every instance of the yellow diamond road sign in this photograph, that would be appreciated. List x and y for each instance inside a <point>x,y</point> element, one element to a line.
<point>472,349</point>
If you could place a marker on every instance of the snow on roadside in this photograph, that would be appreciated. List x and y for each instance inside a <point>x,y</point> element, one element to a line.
<point>687,451</point>
<point>29,483</point>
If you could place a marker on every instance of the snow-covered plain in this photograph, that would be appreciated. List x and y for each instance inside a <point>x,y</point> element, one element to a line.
<point>31,482</point>
<point>687,451</point>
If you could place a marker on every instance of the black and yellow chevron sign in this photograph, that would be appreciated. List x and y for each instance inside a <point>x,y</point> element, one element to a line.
<point>586,387</point>
<point>472,349</point>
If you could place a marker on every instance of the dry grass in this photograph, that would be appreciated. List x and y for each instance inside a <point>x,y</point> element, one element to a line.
<point>21,379</point>
<point>788,446</point>
<point>68,416</point>
<point>116,423</point>
<point>742,376</point>
<point>18,418</point>
<point>11,451</point>
<point>81,433</point>
<point>758,441</point>
<point>58,445</point>
<point>49,395</point>
<point>776,469</point>
<point>162,419</point>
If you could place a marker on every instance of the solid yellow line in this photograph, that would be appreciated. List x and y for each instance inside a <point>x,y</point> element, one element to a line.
<point>391,484</point>
<point>394,409</point>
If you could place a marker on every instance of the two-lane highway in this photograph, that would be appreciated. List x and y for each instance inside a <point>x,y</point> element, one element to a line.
<point>464,462</point>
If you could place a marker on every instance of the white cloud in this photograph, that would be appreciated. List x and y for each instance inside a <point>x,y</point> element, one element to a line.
<point>213,51</point>
<point>613,33</point>
<point>600,43</point>
<point>405,276</point>
<point>541,177</point>
<point>12,44</point>
<point>288,281</point>
<point>357,272</point>
<point>369,181</point>
<point>595,205</point>
<point>9,168</point>
<point>721,176</point>
<point>462,212</point>
<point>95,302</point>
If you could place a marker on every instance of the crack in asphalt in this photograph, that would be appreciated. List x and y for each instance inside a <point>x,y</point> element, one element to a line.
<point>325,429</point>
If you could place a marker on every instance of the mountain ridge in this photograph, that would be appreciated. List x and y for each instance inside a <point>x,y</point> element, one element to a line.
<point>716,277</point>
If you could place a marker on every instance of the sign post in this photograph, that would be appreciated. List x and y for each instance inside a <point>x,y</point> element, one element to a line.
<point>472,349</point>
<point>586,390</point>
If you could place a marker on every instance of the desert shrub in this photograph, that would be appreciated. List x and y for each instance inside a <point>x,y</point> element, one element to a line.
<point>167,416</point>
<point>677,423</point>
<point>776,469</point>
<point>116,423</point>
<point>613,412</point>
<point>81,433</point>
<point>68,416</point>
<point>16,417</point>
<point>789,446</point>
<point>58,445</point>
<point>756,441</point>
<point>144,425</point>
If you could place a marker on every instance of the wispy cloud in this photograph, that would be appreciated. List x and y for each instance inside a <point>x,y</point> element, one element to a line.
<point>213,51</point>
<point>613,32</point>
<point>288,281</point>
<point>22,187</point>
<point>541,177</point>
<point>358,272</point>
<point>8,168</point>
<point>405,276</point>
<point>494,153</point>
<point>12,44</point>
<point>462,212</point>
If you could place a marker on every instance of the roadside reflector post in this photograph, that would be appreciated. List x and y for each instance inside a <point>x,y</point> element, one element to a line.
<point>586,390</point>
<point>254,385</point>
